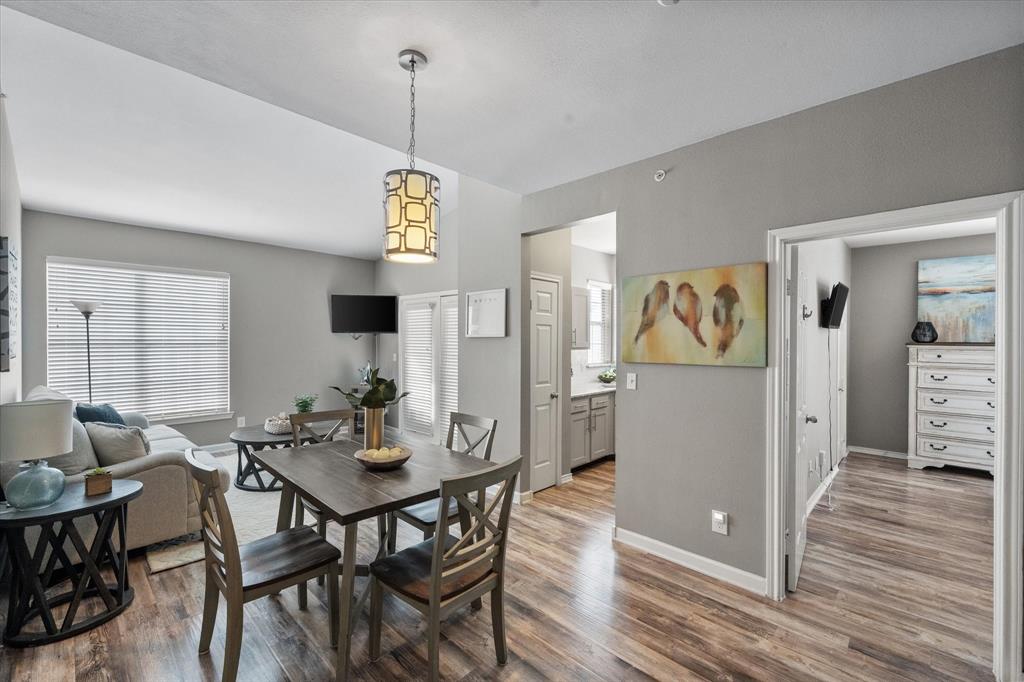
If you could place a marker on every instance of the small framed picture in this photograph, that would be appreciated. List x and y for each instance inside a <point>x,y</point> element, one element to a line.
<point>485,313</point>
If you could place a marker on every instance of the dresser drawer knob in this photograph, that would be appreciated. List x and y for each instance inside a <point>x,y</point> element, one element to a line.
<point>938,426</point>
<point>940,402</point>
<point>935,378</point>
<point>940,448</point>
<point>939,355</point>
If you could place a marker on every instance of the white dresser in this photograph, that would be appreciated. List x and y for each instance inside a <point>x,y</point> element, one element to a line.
<point>952,406</point>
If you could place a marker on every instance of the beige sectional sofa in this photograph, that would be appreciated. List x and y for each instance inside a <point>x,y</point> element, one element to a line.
<point>167,507</point>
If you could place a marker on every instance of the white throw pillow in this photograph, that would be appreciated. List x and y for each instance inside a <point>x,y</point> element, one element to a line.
<point>115,443</point>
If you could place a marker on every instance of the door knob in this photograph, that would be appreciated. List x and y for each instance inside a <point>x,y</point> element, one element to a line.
<point>811,419</point>
<point>554,395</point>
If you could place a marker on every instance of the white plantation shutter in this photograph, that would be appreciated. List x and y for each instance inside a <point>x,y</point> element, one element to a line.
<point>160,338</point>
<point>418,367</point>
<point>601,351</point>
<point>429,343</point>
<point>448,381</point>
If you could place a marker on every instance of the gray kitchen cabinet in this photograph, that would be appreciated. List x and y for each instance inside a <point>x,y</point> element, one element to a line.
<point>602,426</point>
<point>591,428</point>
<point>580,338</point>
<point>579,432</point>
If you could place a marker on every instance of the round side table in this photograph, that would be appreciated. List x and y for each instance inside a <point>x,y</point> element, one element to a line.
<point>250,439</point>
<point>36,572</point>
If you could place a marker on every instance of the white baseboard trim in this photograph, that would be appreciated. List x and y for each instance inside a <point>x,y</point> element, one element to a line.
<point>566,478</point>
<point>880,453</point>
<point>522,497</point>
<point>813,500</point>
<point>702,564</point>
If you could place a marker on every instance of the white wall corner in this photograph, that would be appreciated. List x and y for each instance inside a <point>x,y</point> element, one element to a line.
<point>702,564</point>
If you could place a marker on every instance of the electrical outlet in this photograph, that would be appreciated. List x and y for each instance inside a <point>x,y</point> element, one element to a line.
<point>630,381</point>
<point>719,522</point>
<point>241,422</point>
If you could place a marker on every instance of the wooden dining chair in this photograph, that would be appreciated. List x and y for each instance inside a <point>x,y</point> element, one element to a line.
<point>446,572</point>
<point>255,569</point>
<point>424,515</point>
<point>302,432</point>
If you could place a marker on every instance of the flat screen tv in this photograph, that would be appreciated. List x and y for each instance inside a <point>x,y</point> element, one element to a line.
<point>364,314</point>
<point>832,307</point>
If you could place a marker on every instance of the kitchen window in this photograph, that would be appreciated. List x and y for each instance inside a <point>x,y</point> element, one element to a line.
<point>602,348</point>
<point>429,363</point>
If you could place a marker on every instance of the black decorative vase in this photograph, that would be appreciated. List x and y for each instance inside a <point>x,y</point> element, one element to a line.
<point>924,332</point>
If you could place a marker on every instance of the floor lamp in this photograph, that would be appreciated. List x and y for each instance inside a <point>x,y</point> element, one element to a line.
<point>87,308</point>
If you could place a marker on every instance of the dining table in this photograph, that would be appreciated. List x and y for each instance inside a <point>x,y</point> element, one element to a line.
<point>329,477</point>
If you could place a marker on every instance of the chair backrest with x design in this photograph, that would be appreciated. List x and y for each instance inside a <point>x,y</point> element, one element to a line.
<point>480,549</point>
<point>219,539</point>
<point>480,446</point>
<point>302,425</point>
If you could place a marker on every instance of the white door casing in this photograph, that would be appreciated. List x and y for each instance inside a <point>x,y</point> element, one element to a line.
<point>796,540</point>
<point>545,373</point>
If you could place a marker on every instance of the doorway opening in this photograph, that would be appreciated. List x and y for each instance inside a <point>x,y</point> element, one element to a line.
<point>805,459</point>
<point>569,350</point>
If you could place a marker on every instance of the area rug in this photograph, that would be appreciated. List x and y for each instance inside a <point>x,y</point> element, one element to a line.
<point>253,514</point>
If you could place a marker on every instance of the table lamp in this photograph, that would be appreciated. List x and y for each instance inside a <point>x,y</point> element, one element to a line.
<point>31,431</point>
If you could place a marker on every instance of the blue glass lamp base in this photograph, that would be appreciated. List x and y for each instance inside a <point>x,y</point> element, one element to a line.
<point>36,485</point>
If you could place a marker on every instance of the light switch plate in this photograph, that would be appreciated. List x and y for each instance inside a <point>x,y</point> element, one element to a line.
<point>241,422</point>
<point>631,381</point>
<point>719,522</point>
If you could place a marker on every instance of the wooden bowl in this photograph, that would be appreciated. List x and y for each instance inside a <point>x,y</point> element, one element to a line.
<point>384,464</point>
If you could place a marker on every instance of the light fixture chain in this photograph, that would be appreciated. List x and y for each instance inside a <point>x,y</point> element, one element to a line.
<point>412,113</point>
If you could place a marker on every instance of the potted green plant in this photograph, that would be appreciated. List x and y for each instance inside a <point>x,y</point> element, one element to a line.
<point>98,481</point>
<point>305,402</point>
<point>381,394</point>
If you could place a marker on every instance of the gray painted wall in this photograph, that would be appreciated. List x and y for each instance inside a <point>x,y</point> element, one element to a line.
<point>490,257</point>
<point>825,263</point>
<point>281,341</point>
<point>10,226</point>
<point>692,439</point>
<point>882,315</point>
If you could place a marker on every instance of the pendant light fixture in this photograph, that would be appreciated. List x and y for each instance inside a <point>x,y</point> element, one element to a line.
<point>411,197</point>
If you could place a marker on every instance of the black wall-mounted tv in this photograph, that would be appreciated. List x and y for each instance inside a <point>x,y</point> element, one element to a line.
<point>832,307</point>
<point>364,314</point>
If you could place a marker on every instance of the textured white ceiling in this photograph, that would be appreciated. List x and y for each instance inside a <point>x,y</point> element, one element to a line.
<point>527,95</point>
<point>102,133</point>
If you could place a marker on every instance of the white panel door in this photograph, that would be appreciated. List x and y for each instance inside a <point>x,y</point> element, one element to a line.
<point>796,520</point>
<point>544,380</point>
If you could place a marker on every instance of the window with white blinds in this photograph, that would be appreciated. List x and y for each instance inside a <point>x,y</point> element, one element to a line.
<point>429,364</point>
<point>160,339</point>
<point>601,350</point>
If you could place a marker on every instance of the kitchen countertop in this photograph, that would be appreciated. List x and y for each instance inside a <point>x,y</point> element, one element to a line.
<point>581,389</point>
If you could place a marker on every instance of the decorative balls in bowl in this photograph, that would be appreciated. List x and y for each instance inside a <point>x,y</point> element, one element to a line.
<point>384,459</point>
<point>607,377</point>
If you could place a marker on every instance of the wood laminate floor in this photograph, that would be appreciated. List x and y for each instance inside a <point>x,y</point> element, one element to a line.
<point>896,585</point>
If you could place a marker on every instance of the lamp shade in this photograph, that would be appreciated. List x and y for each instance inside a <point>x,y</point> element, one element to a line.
<point>35,429</point>
<point>86,307</point>
<point>412,211</point>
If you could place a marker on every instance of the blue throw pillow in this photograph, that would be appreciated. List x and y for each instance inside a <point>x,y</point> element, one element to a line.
<point>98,413</point>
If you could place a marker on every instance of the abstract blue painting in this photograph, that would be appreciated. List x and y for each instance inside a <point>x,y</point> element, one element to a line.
<point>958,296</point>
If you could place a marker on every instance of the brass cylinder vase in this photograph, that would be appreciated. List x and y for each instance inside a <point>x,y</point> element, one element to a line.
<point>373,428</point>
